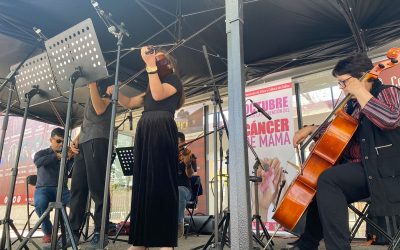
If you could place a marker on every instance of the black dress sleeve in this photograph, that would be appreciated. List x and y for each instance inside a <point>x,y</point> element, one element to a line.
<point>174,81</point>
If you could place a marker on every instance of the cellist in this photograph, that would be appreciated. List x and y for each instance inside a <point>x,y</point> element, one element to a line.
<point>370,164</point>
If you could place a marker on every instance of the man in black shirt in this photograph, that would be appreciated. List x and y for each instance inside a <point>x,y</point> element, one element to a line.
<point>47,162</point>
<point>186,167</point>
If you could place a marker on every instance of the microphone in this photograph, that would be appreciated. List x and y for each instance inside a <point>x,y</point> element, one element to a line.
<point>130,121</point>
<point>96,7</point>
<point>106,18</point>
<point>261,110</point>
<point>42,37</point>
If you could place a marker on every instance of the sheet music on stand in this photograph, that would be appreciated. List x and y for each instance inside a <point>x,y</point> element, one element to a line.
<point>78,46</point>
<point>36,71</point>
<point>126,159</point>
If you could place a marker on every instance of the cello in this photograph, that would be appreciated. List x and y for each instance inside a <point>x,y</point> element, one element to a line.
<point>325,154</point>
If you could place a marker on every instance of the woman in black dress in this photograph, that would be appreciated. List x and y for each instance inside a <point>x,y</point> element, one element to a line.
<point>155,191</point>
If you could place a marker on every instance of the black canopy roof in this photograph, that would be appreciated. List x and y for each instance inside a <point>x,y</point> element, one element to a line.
<point>278,35</point>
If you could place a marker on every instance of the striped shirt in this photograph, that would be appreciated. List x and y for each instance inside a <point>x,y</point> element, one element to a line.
<point>383,111</point>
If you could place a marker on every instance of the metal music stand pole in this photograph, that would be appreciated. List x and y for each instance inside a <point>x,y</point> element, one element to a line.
<point>85,223</point>
<point>119,31</point>
<point>57,205</point>
<point>7,222</point>
<point>5,120</point>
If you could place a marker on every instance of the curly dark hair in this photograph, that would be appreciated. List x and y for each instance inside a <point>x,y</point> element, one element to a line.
<point>356,65</point>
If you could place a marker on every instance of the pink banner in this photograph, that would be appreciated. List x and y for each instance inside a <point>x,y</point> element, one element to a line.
<point>36,137</point>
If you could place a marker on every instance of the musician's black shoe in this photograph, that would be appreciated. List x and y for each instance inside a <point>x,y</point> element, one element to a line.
<point>293,243</point>
<point>94,242</point>
<point>296,247</point>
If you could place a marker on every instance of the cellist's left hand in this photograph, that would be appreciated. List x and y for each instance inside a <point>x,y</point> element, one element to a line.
<point>359,89</point>
<point>353,86</point>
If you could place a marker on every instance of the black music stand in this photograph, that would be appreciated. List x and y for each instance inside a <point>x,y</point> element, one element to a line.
<point>34,77</point>
<point>76,59</point>
<point>126,159</point>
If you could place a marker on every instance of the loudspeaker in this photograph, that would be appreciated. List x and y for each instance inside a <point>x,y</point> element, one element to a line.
<point>203,222</point>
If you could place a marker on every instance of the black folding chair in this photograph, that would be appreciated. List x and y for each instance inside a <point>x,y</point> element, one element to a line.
<point>30,181</point>
<point>191,205</point>
<point>388,233</point>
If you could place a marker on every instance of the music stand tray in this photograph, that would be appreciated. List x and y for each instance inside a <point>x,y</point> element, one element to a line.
<point>36,71</point>
<point>126,159</point>
<point>77,46</point>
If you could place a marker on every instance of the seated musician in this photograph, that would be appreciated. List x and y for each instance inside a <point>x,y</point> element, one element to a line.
<point>186,168</point>
<point>48,162</point>
<point>369,165</point>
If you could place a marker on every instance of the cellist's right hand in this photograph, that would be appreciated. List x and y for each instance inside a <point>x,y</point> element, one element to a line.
<point>302,134</point>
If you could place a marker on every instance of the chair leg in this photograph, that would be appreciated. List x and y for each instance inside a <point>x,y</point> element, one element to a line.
<point>395,242</point>
<point>368,220</point>
<point>192,223</point>
<point>27,223</point>
<point>358,222</point>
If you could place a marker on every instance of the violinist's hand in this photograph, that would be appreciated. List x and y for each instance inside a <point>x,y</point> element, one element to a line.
<point>302,134</point>
<point>74,147</point>
<point>70,154</point>
<point>110,90</point>
<point>149,59</point>
<point>59,155</point>
<point>187,159</point>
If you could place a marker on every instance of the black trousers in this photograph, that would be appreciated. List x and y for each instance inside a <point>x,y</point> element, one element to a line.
<point>327,215</point>
<point>89,174</point>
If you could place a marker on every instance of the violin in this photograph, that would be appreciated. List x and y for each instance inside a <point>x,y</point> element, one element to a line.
<point>164,65</point>
<point>184,153</point>
<point>70,153</point>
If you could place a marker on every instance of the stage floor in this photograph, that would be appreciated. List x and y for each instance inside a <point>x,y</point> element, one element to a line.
<point>194,241</point>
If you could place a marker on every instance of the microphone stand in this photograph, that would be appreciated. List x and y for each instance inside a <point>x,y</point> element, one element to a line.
<point>216,98</point>
<point>257,216</point>
<point>119,31</point>
<point>128,117</point>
